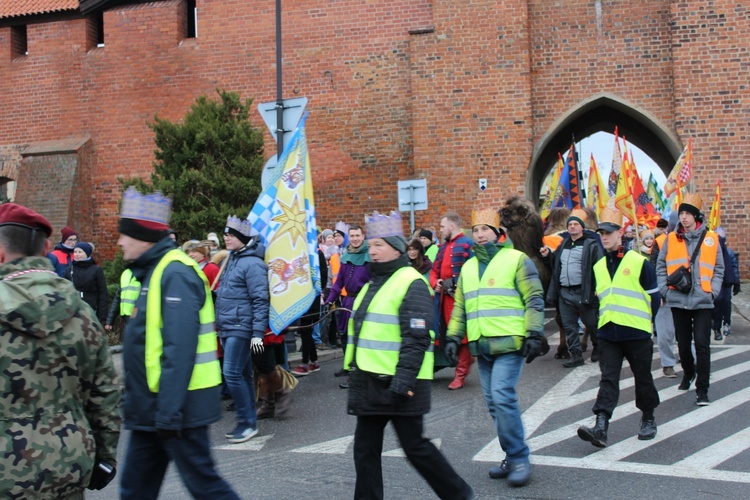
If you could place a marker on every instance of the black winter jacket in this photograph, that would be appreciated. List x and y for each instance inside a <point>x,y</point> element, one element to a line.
<point>88,279</point>
<point>372,394</point>
<point>592,252</point>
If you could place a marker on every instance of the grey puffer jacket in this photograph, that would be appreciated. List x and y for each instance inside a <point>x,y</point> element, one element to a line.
<point>697,298</point>
<point>242,301</point>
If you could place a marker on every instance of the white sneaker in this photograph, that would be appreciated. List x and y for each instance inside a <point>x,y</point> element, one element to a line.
<point>241,434</point>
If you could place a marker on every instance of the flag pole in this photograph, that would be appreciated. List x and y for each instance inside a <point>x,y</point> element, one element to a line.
<point>279,88</point>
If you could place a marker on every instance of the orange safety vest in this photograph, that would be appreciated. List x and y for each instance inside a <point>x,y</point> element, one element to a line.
<point>660,241</point>
<point>335,266</point>
<point>552,240</point>
<point>677,255</point>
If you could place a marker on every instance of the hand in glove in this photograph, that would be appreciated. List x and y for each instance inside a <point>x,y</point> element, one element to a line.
<point>736,289</point>
<point>256,344</point>
<point>451,351</point>
<point>532,348</point>
<point>102,475</point>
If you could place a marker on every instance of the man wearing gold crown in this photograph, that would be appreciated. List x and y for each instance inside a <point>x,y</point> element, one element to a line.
<point>499,308</point>
<point>694,247</point>
<point>172,374</point>
<point>628,303</point>
<point>390,358</point>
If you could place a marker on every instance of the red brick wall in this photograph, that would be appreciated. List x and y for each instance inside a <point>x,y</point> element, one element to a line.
<point>472,97</point>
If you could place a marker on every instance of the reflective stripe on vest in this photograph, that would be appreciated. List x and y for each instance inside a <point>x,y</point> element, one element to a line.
<point>622,300</point>
<point>493,305</point>
<point>677,255</point>
<point>206,371</point>
<point>129,290</point>
<point>379,342</point>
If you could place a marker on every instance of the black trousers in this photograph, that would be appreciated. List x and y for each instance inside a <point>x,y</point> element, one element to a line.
<point>722,312</point>
<point>423,455</point>
<point>571,309</point>
<point>640,354</point>
<point>689,327</point>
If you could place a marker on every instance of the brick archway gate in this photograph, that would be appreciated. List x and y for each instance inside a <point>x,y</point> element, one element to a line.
<point>602,113</point>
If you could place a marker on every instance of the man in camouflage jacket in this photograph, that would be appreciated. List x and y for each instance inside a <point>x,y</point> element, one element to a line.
<point>59,422</point>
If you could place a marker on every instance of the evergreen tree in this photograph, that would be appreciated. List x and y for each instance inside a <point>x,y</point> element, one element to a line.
<point>210,163</point>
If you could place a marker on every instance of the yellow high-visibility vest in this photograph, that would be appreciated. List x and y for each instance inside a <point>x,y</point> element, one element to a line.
<point>206,371</point>
<point>129,290</point>
<point>622,299</point>
<point>379,342</point>
<point>493,305</point>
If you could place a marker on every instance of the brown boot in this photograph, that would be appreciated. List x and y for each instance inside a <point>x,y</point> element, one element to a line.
<point>281,396</point>
<point>267,407</point>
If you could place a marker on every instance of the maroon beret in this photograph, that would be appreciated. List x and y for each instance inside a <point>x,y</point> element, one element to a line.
<point>12,214</point>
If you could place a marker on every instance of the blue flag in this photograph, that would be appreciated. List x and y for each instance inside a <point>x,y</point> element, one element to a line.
<point>284,217</point>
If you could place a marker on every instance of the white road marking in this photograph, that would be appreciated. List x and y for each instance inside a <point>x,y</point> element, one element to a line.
<point>255,444</point>
<point>333,447</point>
<point>698,466</point>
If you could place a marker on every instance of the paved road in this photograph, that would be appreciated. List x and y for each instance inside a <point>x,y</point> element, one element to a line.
<point>699,452</point>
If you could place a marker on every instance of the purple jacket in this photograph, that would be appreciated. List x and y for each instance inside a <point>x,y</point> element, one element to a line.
<point>351,277</point>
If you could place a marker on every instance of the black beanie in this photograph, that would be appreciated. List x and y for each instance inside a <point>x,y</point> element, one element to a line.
<point>244,239</point>
<point>426,233</point>
<point>397,242</point>
<point>131,227</point>
<point>691,209</point>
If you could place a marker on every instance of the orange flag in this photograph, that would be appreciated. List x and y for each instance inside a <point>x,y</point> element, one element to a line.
<point>714,220</point>
<point>683,169</point>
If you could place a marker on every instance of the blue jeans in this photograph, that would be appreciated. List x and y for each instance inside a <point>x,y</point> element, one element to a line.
<point>499,375</point>
<point>147,459</point>
<point>238,373</point>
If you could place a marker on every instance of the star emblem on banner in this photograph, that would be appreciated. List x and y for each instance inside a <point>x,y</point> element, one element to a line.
<point>292,221</point>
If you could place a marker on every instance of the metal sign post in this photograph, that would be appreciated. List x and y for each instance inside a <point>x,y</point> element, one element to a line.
<point>412,195</point>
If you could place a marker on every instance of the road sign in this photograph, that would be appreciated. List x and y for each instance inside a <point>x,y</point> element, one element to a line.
<point>482,184</point>
<point>268,171</point>
<point>412,195</point>
<point>293,109</point>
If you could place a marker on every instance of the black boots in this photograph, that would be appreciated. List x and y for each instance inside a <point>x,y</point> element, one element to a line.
<point>648,426</point>
<point>575,360</point>
<point>596,435</point>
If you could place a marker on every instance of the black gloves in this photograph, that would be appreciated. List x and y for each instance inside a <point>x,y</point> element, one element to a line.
<point>165,434</point>
<point>736,289</point>
<point>451,351</point>
<point>532,348</point>
<point>102,475</point>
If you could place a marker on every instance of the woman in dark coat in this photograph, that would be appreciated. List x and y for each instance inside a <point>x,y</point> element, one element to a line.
<point>388,387</point>
<point>418,259</point>
<point>88,279</point>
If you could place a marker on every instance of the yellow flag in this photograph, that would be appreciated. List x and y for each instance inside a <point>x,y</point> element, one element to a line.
<point>624,197</point>
<point>714,220</point>
<point>597,190</point>
<point>554,186</point>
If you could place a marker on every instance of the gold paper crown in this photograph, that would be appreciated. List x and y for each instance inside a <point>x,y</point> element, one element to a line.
<point>487,216</point>
<point>581,214</point>
<point>244,227</point>
<point>611,216</point>
<point>382,226</point>
<point>693,199</point>
<point>153,207</point>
